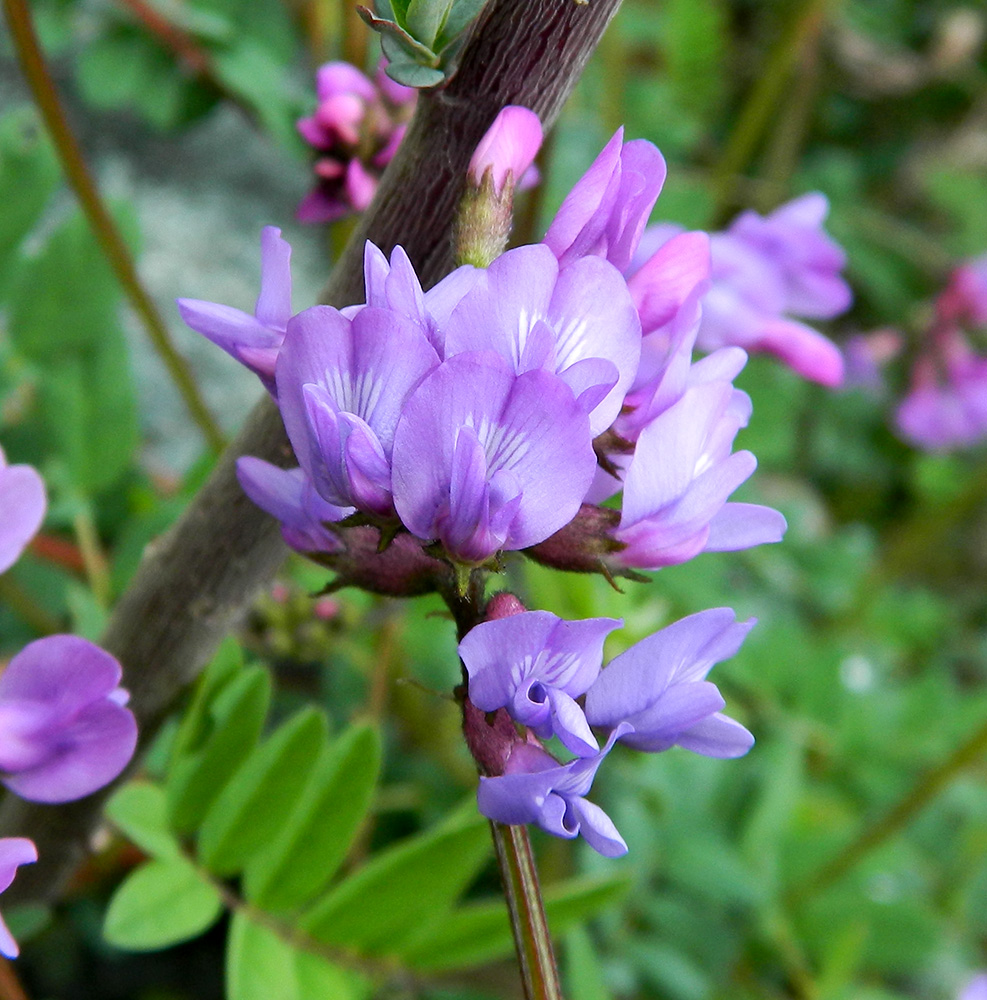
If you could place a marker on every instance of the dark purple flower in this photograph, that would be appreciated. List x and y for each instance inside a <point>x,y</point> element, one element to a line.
<point>534,664</point>
<point>289,496</point>
<point>536,788</point>
<point>606,211</point>
<point>14,852</point>
<point>577,320</point>
<point>356,129</point>
<point>342,384</point>
<point>64,730</point>
<point>253,340</point>
<point>485,459</point>
<point>655,695</point>
<point>22,509</point>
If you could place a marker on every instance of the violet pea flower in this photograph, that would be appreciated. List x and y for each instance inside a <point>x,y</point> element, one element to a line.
<point>576,320</point>
<point>253,340</point>
<point>64,730</point>
<point>536,788</point>
<point>22,509</point>
<point>947,410</point>
<point>485,459</point>
<point>14,852</point>
<point>508,148</point>
<point>535,664</point>
<point>342,384</point>
<point>655,695</point>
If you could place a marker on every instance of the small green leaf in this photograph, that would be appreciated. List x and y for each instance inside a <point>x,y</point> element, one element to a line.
<point>140,811</point>
<point>237,717</point>
<point>265,788</point>
<point>412,75</point>
<point>390,899</point>
<point>425,19</point>
<point>159,904</point>
<point>317,836</point>
<point>262,966</point>
<point>481,932</point>
<point>460,17</point>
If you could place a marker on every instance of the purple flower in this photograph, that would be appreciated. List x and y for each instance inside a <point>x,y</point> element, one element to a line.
<point>289,496</point>
<point>765,271</point>
<point>253,340</point>
<point>606,211</point>
<point>508,148</point>
<point>64,730</point>
<point>975,989</point>
<point>536,788</point>
<point>14,852</point>
<point>485,459</point>
<point>577,320</point>
<point>342,384</point>
<point>356,130</point>
<point>655,695</point>
<point>534,664</point>
<point>946,409</point>
<point>965,299</point>
<point>22,509</point>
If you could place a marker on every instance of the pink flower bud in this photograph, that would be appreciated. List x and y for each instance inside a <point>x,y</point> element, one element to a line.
<point>508,148</point>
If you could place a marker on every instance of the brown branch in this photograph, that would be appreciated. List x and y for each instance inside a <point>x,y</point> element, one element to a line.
<point>195,583</point>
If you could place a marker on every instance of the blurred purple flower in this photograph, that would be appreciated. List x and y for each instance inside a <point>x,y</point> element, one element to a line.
<point>289,496</point>
<point>485,459</point>
<point>342,384</point>
<point>14,852</point>
<point>64,730</point>
<point>22,509</point>
<point>253,340</point>
<point>655,695</point>
<point>535,664</point>
<point>975,989</point>
<point>355,129</point>
<point>536,788</point>
<point>508,148</point>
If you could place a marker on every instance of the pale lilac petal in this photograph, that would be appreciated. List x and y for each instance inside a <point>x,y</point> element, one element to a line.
<point>805,350</point>
<point>662,285</point>
<point>570,725</point>
<point>598,829</point>
<point>23,502</point>
<point>737,526</point>
<point>717,736</point>
<point>14,852</point>
<point>273,307</point>
<point>242,336</point>
<point>657,726</point>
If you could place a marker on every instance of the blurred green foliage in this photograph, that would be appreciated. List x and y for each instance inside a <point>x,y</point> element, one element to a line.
<point>867,669</point>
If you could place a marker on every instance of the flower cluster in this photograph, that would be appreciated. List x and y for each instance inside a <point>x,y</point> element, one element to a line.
<point>355,131</point>
<point>767,271</point>
<point>498,410</point>
<point>946,405</point>
<point>651,697</point>
<point>64,727</point>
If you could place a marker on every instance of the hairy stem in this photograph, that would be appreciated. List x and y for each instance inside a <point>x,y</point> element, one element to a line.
<point>117,253</point>
<point>196,582</point>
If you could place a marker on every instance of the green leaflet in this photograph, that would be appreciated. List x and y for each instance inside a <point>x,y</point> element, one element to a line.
<point>388,901</point>
<point>235,719</point>
<point>252,806</point>
<point>162,902</point>
<point>318,833</point>
<point>480,932</point>
<point>262,966</point>
<point>140,810</point>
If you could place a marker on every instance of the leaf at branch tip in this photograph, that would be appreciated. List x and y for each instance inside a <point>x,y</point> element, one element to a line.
<point>390,31</point>
<point>159,904</point>
<point>262,966</point>
<point>139,809</point>
<point>463,13</point>
<point>426,18</point>
<point>265,788</point>
<point>403,889</point>
<point>412,75</point>
<point>318,834</point>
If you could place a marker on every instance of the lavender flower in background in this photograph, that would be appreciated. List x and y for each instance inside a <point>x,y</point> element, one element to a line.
<point>766,272</point>
<point>975,989</point>
<point>23,502</point>
<point>946,405</point>
<point>534,664</point>
<point>64,730</point>
<point>253,340</point>
<point>355,130</point>
<point>14,852</point>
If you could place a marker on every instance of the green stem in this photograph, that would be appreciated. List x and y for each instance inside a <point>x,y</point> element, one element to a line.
<point>539,972</point>
<point>42,87</point>
<point>93,557</point>
<point>896,818</point>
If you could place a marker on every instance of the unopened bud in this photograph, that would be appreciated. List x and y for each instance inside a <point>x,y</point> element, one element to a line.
<point>503,604</point>
<point>583,545</point>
